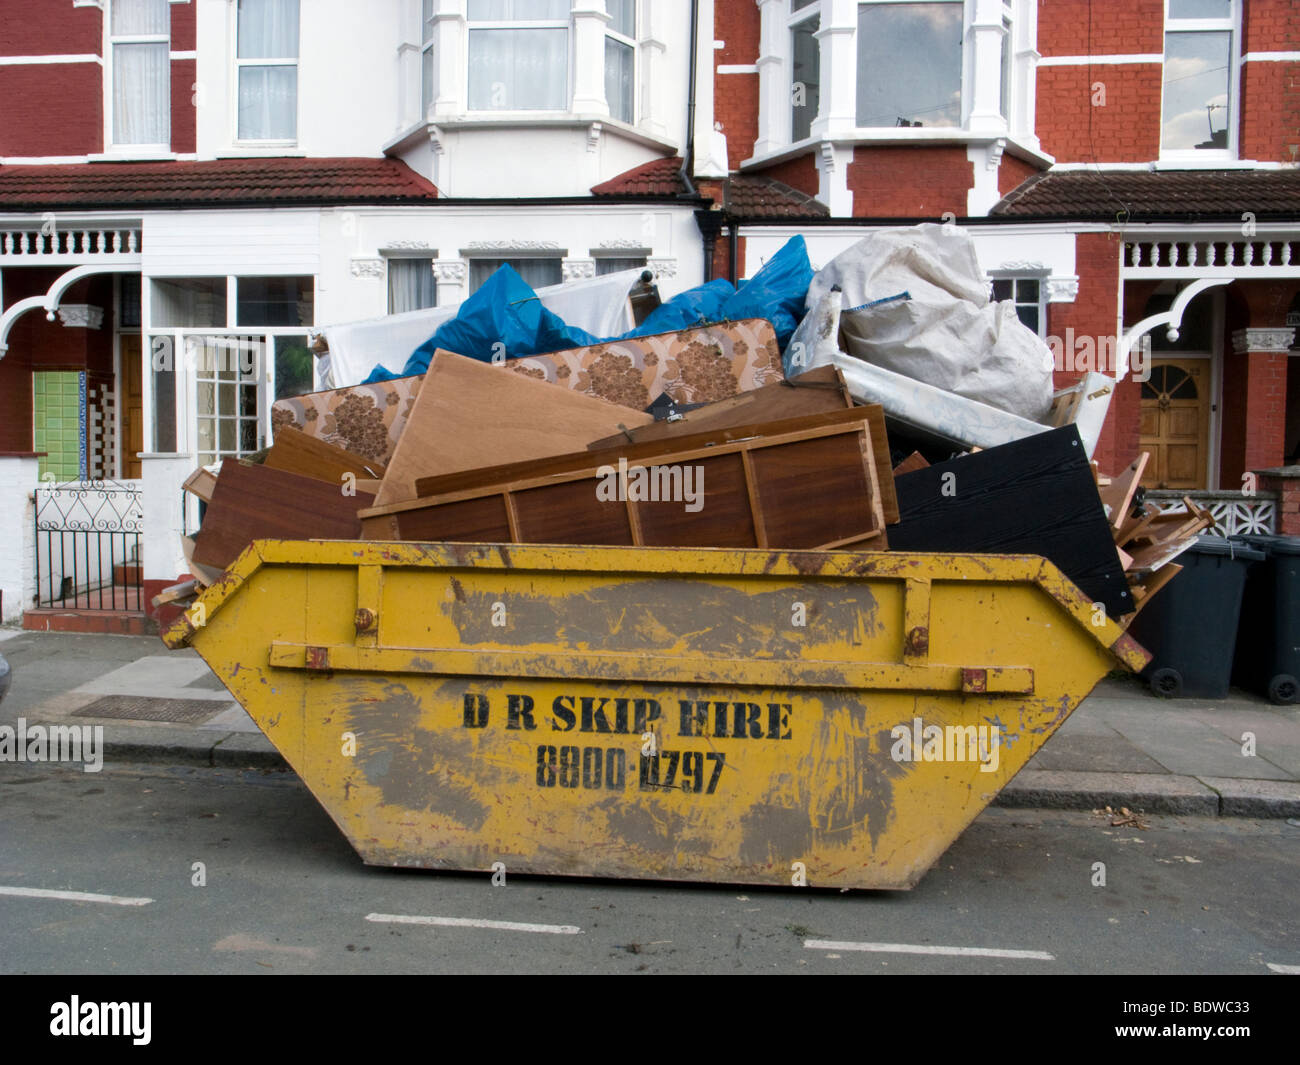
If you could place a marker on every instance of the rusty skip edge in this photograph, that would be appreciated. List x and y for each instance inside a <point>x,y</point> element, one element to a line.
<point>676,561</point>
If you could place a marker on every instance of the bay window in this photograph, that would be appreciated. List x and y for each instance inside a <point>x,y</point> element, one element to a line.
<point>1200,62</point>
<point>139,36</point>
<point>518,55</point>
<point>411,284</point>
<point>910,64</point>
<point>267,70</point>
<point>537,272</point>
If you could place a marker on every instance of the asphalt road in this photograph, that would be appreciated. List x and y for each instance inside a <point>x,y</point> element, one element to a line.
<point>282,892</point>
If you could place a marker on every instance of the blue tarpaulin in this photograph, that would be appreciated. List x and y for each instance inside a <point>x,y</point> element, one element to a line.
<point>504,318</point>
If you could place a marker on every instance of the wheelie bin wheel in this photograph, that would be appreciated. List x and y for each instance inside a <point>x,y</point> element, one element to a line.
<point>1283,689</point>
<point>1167,682</point>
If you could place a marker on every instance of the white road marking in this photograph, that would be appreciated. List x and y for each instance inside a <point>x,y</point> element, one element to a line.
<point>1290,970</point>
<point>472,922</point>
<point>73,896</point>
<point>925,948</point>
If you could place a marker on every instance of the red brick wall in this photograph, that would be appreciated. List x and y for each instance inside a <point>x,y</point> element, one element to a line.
<point>1125,129</point>
<point>1093,314</point>
<point>184,20</point>
<point>735,96</point>
<point>909,182</point>
<point>1270,26</point>
<point>51,110</point>
<point>1014,172</point>
<point>59,29</point>
<point>184,134</point>
<point>1288,505</point>
<point>1100,27</point>
<point>799,173</point>
<point>1270,110</point>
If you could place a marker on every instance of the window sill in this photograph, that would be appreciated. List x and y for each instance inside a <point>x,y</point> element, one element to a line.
<point>132,154</point>
<point>1205,160</point>
<point>244,150</point>
<point>478,120</point>
<point>892,137</point>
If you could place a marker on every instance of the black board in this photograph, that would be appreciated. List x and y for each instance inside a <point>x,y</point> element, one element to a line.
<point>1036,496</point>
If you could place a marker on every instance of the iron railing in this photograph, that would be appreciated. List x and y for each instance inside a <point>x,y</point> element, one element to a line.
<point>88,545</point>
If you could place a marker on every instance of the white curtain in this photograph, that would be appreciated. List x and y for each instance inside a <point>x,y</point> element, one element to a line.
<point>411,285</point>
<point>139,17</point>
<point>539,273</point>
<point>268,103</point>
<point>518,10</point>
<point>268,29</point>
<point>268,95</point>
<point>517,70</point>
<point>141,94</point>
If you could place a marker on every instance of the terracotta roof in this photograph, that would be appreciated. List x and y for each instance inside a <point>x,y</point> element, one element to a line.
<point>745,195</point>
<point>1155,195</point>
<point>658,179</point>
<point>215,183</point>
<point>752,196</point>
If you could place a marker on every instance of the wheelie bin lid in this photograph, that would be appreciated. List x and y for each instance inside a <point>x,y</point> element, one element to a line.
<point>1270,543</point>
<point>1232,548</point>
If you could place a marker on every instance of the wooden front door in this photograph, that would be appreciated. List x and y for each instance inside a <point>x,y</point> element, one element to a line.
<point>1176,423</point>
<point>132,393</point>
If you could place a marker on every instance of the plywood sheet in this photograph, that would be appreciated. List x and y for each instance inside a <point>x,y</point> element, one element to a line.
<point>472,414</point>
<point>254,502</point>
<point>296,452</point>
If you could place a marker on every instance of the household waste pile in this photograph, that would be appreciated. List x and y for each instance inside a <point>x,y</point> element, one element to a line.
<point>881,403</point>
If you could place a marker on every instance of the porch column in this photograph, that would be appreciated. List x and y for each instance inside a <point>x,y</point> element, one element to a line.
<point>161,557</point>
<point>1285,481</point>
<point>19,477</point>
<point>1263,362</point>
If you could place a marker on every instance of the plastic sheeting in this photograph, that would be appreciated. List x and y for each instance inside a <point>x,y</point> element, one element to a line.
<point>598,305</point>
<point>916,303</point>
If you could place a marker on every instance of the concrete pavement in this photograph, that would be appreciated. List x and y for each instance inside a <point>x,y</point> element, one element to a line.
<point>1123,747</point>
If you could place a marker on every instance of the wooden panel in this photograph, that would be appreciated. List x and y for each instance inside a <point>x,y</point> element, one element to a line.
<point>834,466</point>
<point>472,414</point>
<point>296,452</point>
<point>725,499</point>
<point>254,502</point>
<point>1033,496</point>
<point>571,514</point>
<point>471,521</point>
<point>813,487</point>
<point>519,471</point>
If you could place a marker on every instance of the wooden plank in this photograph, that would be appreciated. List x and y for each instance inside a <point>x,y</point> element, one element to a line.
<point>255,502</point>
<point>1117,496</point>
<point>201,483</point>
<point>1148,588</point>
<point>471,414</point>
<point>915,461</point>
<point>205,575</point>
<point>296,452</point>
<point>176,592</point>
<point>805,488</point>
<point>1034,496</point>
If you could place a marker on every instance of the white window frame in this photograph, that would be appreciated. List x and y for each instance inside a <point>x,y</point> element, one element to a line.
<point>238,64</point>
<point>429,51</point>
<point>630,42</point>
<point>110,140</point>
<point>472,26</point>
<point>1041,276</point>
<point>1232,26</point>
<point>794,17</point>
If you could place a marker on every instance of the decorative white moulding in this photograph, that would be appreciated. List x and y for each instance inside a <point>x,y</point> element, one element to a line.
<point>1062,289</point>
<point>81,316</point>
<point>372,268</point>
<point>662,267</point>
<point>1245,341</point>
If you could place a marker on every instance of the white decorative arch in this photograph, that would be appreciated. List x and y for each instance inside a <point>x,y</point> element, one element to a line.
<point>50,301</point>
<point>1173,318</point>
